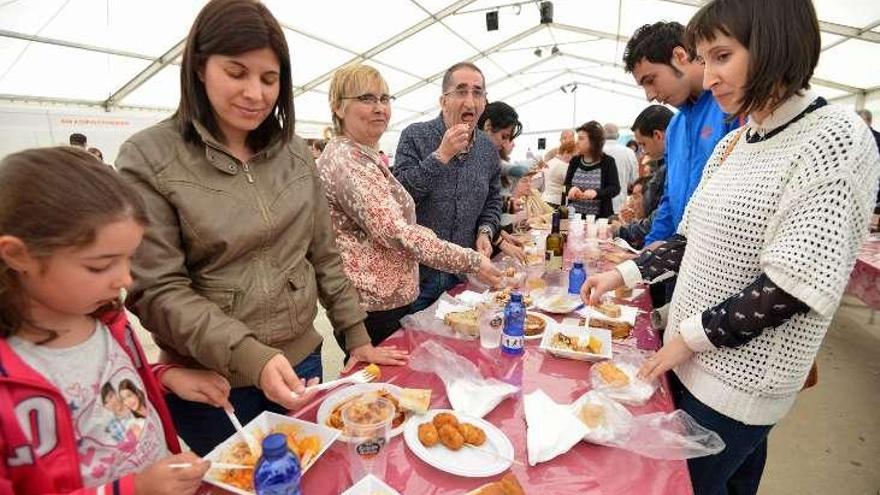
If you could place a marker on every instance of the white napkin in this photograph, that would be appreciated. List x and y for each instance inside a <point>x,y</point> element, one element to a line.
<point>627,314</point>
<point>477,399</point>
<point>552,428</point>
<point>636,293</point>
<point>444,308</point>
<point>471,298</point>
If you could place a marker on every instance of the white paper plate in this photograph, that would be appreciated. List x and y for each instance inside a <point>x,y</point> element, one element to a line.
<point>564,302</point>
<point>265,422</point>
<point>550,324</point>
<point>467,462</point>
<point>370,485</point>
<point>602,334</point>
<point>343,394</point>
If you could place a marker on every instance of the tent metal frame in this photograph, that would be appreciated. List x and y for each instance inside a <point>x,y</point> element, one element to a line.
<point>115,100</point>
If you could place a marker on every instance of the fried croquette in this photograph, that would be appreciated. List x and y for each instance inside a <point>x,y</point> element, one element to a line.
<point>473,435</point>
<point>445,418</point>
<point>428,434</point>
<point>451,437</point>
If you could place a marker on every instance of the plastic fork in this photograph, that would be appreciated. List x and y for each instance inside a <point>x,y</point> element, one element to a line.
<point>619,242</point>
<point>249,439</point>
<point>214,465</point>
<point>362,376</point>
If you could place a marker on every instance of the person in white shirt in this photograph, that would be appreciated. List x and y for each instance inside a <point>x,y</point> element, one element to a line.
<point>625,159</point>
<point>768,239</point>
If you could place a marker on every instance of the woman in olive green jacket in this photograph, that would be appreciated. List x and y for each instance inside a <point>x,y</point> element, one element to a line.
<point>240,245</point>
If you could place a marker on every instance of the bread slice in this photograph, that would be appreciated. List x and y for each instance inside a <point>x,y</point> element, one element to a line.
<point>463,322</point>
<point>417,400</point>
<point>507,485</point>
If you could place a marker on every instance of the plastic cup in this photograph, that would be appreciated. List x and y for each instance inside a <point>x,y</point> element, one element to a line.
<point>367,423</point>
<point>491,325</point>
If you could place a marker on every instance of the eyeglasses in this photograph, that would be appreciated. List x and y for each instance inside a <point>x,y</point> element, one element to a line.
<point>462,93</point>
<point>371,99</point>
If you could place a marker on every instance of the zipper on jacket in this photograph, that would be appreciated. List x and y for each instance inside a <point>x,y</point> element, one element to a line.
<point>247,172</point>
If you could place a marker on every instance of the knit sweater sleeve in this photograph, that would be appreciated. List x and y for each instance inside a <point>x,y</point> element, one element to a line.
<point>814,237</point>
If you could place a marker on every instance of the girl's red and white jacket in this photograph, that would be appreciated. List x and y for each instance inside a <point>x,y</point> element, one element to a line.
<point>37,439</point>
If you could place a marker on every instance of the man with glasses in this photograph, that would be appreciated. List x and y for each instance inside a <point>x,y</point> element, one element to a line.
<point>451,169</point>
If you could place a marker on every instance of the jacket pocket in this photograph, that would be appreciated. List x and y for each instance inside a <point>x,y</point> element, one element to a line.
<point>225,298</point>
<point>302,297</point>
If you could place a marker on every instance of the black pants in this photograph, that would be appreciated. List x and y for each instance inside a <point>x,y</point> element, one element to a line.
<point>380,325</point>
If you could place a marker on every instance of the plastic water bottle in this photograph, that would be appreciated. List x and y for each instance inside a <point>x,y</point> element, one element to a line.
<point>278,471</point>
<point>576,278</point>
<point>514,320</point>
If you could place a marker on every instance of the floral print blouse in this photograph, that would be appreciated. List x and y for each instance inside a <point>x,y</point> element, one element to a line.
<point>375,224</point>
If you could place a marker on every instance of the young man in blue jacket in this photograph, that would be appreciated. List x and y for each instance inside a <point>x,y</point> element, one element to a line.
<point>662,66</point>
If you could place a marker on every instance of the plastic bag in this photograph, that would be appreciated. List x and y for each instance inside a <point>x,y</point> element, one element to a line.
<point>632,390</point>
<point>552,431</point>
<point>427,321</point>
<point>607,422</point>
<point>466,388</point>
<point>671,436</point>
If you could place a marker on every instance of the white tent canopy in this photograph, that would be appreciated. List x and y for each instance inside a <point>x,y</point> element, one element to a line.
<point>123,55</point>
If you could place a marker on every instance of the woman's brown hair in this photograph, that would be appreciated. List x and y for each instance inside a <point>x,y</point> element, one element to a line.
<point>783,40</point>
<point>233,27</point>
<point>55,198</point>
<point>596,134</point>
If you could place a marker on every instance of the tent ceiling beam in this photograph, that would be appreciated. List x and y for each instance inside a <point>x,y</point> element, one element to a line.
<point>381,47</point>
<point>837,85</point>
<point>515,73</point>
<point>341,48</point>
<point>864,34</point>
<point>607,79</point>
<point>71,44</point>
<point>74,102</point>
<point>151,70</point>
<point>509,41</point>
<point>865,29</point>
<point>590,32</point>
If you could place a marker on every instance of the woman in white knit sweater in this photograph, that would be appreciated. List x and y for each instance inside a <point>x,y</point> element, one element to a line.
<point>768,240</point>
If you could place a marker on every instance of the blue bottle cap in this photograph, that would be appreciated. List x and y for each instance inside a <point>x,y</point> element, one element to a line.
<point>578,264</point>
<point>516,297</point>
<point>275,445</point>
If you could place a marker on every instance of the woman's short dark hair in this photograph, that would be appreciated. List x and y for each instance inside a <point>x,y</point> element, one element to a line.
<point>654,43</point>
<point>596,134</point>
<point>783,40</point>
<point>500,115</point>
<point>652,118</point>
<point>233,27</point>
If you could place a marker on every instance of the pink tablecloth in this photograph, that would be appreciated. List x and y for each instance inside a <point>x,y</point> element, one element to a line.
<point>586,469</point>
<point>864,282</point>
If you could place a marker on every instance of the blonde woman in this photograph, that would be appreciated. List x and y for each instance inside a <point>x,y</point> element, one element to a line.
<point>372,214</point>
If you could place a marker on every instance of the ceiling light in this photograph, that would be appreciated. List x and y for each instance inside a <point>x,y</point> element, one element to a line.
<point>555,50</point>
<point>538,52</point>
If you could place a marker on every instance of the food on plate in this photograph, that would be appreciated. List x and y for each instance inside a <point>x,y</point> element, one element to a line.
<point>507,485</point>
<point>560,303</point>
<point>619,329</point>
<point>428,434</point>
<point>473,435</point>
<point>612,375</point>
<point>450,432</point>
<point>450,436</point>
<point>416,400</point>
<point>534,325</point>
<point>609,309</point>
<point>305,447</point>
<point>369,413</point>
<point>445,418</point>
<point>503,297</point>
<point>623,292</point>
<point>589,344</point>
<point>592,415</point>
<point>463,322</point>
